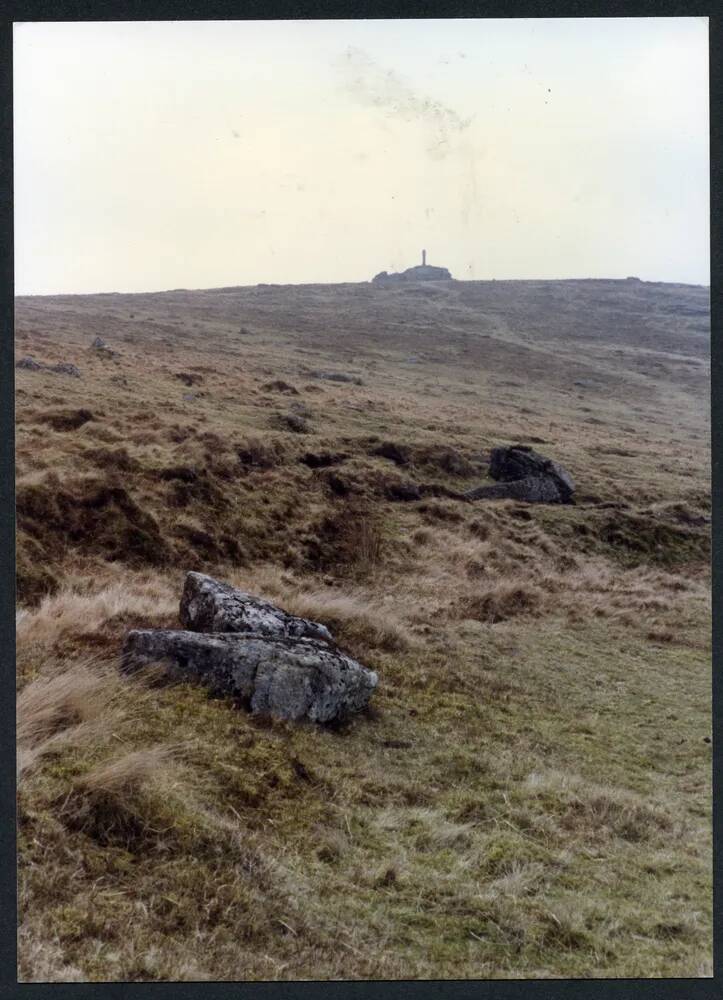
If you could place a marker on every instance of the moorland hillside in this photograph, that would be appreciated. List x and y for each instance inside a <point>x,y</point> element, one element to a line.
<point>529,791</point>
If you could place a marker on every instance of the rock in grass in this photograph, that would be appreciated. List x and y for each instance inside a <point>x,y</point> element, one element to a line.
<point>62,368</point>
<point>283,678</point>
<point>65,368</point>
<point>30,364</point>
<point>208,605</point>
<point>520,461</point>
<point>531,489</point>
<point>524,474</point>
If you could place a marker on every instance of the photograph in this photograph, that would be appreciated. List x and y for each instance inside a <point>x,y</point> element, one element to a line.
<point>362,405</point>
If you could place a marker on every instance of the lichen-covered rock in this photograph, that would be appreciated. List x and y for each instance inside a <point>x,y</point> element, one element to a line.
<point>531,489</point>
<point>208,605</point>
<point>30,364</point>
<point>524,474</point>
<point>521,462</point>
<point>65,368</point>
<point>283,678</point>
<point>62,368</point>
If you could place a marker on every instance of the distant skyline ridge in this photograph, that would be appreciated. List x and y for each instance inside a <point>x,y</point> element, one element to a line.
<point>201,154</point>
<point>633,279</point>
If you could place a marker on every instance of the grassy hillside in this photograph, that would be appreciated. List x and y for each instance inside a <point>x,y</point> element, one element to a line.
<point>530,793</point>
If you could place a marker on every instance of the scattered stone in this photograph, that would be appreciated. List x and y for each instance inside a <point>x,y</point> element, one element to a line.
<point>285,678</point>
<point>190,397</point>
<point>337,377</point>
<point>102,349</point>
<point>30,364</point>
<point>210,606</point>
<point>62,368</point>
<point>65,368</point>
<point>524,474</point>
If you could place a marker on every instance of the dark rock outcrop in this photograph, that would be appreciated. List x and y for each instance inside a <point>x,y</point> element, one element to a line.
<point>524,474</point>
<point>286,678</point>
<point>422,272</point>
<point>210,606</point>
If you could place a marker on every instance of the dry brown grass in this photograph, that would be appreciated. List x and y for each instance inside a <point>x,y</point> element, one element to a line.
<point>69,705</point>
<point>126,775</point>
<point>502,601</point>
<point>81,615</point>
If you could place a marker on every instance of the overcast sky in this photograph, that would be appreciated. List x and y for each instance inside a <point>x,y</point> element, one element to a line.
<point>152,155</point>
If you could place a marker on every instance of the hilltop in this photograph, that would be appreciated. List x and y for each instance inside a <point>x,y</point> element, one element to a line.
<point>529,794</point>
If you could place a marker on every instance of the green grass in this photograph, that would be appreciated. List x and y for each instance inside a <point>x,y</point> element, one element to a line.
<point>599,862</point>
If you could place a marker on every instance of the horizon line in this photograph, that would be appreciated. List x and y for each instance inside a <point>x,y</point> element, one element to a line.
<point>305,284</point>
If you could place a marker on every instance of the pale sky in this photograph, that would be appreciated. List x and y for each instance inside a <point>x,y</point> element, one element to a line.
<point>157,155</point>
